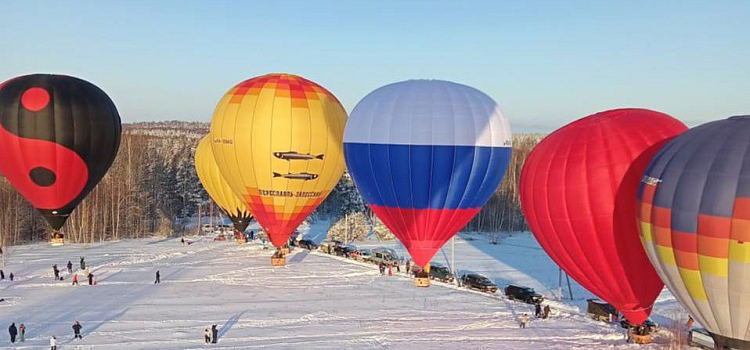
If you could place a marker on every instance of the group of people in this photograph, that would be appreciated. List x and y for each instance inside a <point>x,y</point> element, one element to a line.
<point>2,276</point>
<point>386,267</point>
<point>540,312</point>
<point>211,336</point>
<point>88,274</point>
<point>20,333</point>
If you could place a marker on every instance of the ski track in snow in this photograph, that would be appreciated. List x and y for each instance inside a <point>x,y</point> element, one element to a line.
<point>317,301</point>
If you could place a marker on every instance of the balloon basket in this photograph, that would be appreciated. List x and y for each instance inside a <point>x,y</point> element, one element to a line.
<point>422,282</point>
<point>642,339</point>
<point>278,261</point>
<point>240,241</point>
<point>57,239</point>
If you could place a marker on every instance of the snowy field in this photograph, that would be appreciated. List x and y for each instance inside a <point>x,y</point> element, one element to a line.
<point>316,302</point>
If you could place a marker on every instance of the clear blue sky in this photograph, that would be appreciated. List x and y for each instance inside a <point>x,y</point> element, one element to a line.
<point>545,62</point>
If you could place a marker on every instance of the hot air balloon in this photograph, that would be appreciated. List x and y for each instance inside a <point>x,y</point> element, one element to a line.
<point>426,155</point>
<point>218,188</point>
<point>58,136</point>
<point>578,189</point>
<point>694,216</point>
<point>277,140</point>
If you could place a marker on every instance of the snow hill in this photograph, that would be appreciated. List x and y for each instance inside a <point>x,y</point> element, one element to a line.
<point>316,302</point>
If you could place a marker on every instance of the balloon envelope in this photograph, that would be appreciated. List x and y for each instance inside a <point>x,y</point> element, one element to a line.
<point>58,137</point>
<point>277,140</point>
<point>426,155</point>
<point>695,225</point>
<point>578,189</point>
<point>218,188</point>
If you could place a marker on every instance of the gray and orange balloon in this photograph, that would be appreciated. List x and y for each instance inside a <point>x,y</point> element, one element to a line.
<point>58,137</point>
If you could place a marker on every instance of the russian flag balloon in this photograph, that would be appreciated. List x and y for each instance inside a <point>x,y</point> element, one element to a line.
<point>426,155</point>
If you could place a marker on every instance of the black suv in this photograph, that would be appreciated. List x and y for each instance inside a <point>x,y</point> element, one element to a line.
<point>475,281</point>
<point>440,273</point>
<point>344,250</point>
<point>525,294</point>
<point>307,244</point>
<point>437,272</point>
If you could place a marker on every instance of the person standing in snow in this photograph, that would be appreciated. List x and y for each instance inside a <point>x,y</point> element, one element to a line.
<point>77,330</point>
<point>53,343</point>
<point>538,311</point>
<point>83,264</point>
<point>2,275</point>
<point>390,270</point>
<point>11,276</point>
<point>75,279</point>
<point>214,334</point>
<point>13,331</point>
<point>546,311</point>
<point>408,267</point>
<point>524,319</point>
<point>70,267</point>
<point>158,279</point>
<point>207,336</point>
<point>252,235</point>
<point>56,271</point>
<point>21,332</point>
<point>91,278</point>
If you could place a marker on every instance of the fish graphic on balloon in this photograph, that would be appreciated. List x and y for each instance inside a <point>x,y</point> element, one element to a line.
<point>299,176</point>
<point>58,136</point>
<point>292,155</point>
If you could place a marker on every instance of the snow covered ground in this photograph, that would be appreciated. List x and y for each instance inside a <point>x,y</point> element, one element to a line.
<point>315,302</point>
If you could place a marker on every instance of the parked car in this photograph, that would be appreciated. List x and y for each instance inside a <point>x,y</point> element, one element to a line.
<point>437,272</point>
<point>525,294</point>
<point>224,228</point>
<point>328,246</point>
<point>307,244</point>
<point>384,255</point>
<point>601,310</point>
<point>699,337</point>
<point>363,254</point>
<point>207,228</point>
<point>441,273</point>
<point>476,281</point>
<point>344,250</point>
<point>650,325</point>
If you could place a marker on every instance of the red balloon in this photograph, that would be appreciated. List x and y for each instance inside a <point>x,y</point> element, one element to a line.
<point>579,190</point>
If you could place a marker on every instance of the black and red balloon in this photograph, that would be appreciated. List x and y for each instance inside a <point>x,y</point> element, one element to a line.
<point>58,137</point>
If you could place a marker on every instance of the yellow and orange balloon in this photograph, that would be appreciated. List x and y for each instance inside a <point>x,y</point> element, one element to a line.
<point>277,140</point>
<point>218,188</point>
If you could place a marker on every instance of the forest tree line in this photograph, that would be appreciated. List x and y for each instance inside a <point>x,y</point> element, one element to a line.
<point>152,189</point>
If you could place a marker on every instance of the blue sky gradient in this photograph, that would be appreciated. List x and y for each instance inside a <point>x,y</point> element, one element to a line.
<point>546,62</point>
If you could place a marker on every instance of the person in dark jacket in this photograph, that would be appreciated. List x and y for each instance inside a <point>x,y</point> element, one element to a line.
<point>2,275</point>
<point>13,332</point>
<point>214,334</point>
<point>91,278</point>
<point>538,311</point>
<point>83,264</point>
<point>77,330</point>
<point>158,279</point>
<point>11,276</point>
<point>70,267</point>
<point>56,271</point>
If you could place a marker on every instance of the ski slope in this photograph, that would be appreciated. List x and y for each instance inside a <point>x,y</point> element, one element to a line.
<point>316,302</point>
